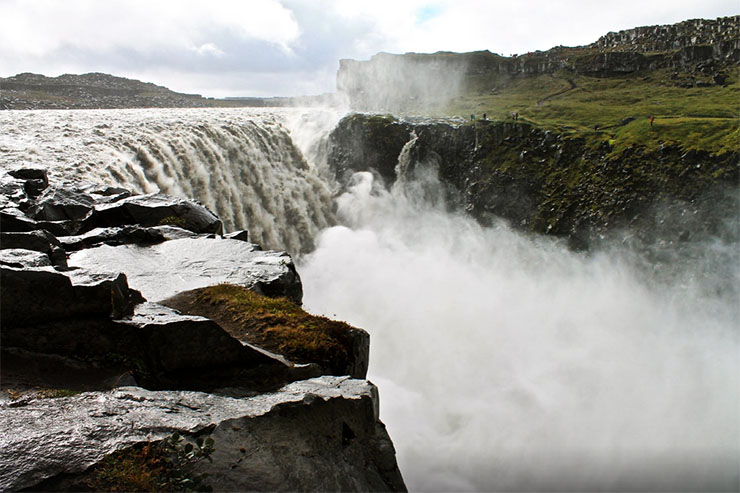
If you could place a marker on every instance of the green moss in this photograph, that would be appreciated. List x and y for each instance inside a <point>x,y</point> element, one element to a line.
<point>160,466</point>
<point>281,326</point>
<point>173,221</point>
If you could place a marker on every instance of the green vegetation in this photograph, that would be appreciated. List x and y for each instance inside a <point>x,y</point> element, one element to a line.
<point>163,466</point>
<point>278,325</point>
<point>41,393</point>
<point>701,118</point>
<point>173,221</point>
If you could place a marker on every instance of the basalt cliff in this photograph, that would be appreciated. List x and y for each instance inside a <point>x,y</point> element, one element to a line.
<point>579,143</point>
<point>143,349</point>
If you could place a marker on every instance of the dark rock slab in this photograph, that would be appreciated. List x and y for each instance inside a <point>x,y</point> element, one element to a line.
<point>39,241</point>
<point>13,219</point>
<point>21,258</point>
<point>40,294</point>
<point>36,180</point>
<point>184,351</point>
<point>154,210</point>
<point>163,270</point>
<point>160,347</point>
<point>125,235</point>
<point>321,434</point>
<point>62,203</point>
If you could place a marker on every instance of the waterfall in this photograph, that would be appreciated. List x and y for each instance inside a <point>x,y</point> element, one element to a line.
<point>504,361</point>
<point>242,164</point>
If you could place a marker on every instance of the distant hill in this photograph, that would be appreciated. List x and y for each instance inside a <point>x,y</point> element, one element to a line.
<point>97,90</point>
<point>94,90</point>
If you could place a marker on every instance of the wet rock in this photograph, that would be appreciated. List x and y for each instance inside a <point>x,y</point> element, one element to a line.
<point>39,241</point>
<point>126,235</point>
<point>155,210</point>
<point>185,351</point>
<point>160,347</point>
<point>13,219</point>
<point>40,294</point>
<point>36,180</point>
<point>242,235</point>
<point>336,348</point>
<point>292,439</point>
<point>163,270</point>
<point>21,258</point>
<point>62,203</point>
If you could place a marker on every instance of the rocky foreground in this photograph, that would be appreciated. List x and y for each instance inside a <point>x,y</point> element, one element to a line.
<point>98,370</point>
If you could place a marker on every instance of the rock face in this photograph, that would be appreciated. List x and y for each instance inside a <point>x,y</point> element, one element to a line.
<point>83,325</point>
<point>543,181</point>
<point>320,435</point>
<point>389,82</point>
<point>162,270</point>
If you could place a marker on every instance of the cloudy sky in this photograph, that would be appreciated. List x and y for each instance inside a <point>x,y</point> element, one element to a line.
<point>292,47</point>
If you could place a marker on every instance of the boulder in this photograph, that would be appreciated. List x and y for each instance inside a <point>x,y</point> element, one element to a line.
<point>36,180</point>
<point>163,270</point>
<point>154,210</point>
<point>62,203</point>
<point>321,434</point>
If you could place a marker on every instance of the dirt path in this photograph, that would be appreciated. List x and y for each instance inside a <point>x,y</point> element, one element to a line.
<point>550,96</point>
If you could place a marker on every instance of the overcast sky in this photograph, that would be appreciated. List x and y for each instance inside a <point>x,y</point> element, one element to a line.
<point>292,47</point>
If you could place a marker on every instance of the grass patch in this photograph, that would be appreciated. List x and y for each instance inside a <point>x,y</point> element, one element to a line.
<point>276,324</point>
<point>700,118</point>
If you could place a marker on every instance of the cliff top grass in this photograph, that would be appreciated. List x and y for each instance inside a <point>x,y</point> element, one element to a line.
<point>616,109</point>
<point>275,324</point>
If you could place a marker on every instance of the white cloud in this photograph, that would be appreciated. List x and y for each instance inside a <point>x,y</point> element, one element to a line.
<point>276,45</point>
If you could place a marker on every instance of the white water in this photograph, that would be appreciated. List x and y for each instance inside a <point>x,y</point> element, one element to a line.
<point>504,362</point>
<point>241,163</point>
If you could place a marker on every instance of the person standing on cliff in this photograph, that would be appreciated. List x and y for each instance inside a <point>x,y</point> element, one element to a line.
<point>652,118</point>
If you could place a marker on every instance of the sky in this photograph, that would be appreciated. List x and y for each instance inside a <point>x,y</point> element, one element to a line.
<point>262,48</point>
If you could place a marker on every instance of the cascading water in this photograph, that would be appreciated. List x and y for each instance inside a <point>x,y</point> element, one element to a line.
<point>242,164</point>
<point>504,361</point>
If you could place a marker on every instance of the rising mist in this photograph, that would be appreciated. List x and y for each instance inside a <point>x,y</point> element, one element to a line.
<point>508,362</point>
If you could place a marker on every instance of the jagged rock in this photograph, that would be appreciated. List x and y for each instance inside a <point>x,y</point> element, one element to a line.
<point>12,191</point>
<point>338,348</point>
<point>544,182</point>
<point>21,258</point>
<point>40,294</point>
<point>320,435</point>
<point>126,235</point>
<point>154,210</point>
<point>163,270</point>
<point>39,241</point>
<point>36,179</point>
<point>62,203</point>
<point>161,348</point>
<point>187,351</point>
<point>242,235</point>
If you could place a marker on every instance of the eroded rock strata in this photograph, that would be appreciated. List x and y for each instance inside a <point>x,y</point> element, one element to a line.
<point>547,182</point>
<point>91,369</point>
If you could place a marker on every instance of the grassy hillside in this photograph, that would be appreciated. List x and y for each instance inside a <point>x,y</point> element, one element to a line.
<point>616,109</point>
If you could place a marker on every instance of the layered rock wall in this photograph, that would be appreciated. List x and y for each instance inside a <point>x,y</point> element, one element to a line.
<point>546,182</point>
<point>389,82</point>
